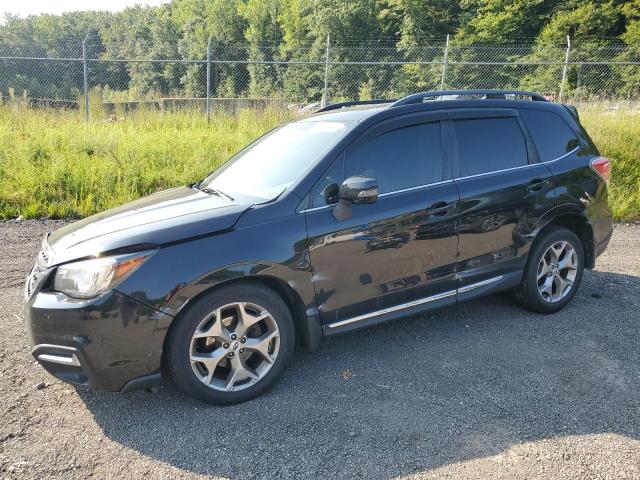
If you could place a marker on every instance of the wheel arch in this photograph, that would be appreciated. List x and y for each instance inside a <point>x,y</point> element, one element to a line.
<point>577,223</point>
<point>308,331</point>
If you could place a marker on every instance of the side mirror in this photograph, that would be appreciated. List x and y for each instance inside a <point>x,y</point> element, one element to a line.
<point>360,190</point>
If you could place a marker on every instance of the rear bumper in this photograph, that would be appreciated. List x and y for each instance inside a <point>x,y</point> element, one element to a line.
<point>112,343</point>
<point>601,246</point>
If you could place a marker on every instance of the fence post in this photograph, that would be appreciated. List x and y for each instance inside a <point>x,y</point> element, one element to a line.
<point>85,67</point>
<point>564,70</point>
<point>209,80</point>
<point>444,63</point>
<point>325,95</point>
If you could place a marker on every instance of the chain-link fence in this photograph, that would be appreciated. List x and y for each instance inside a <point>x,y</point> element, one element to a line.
<point>170,75</point>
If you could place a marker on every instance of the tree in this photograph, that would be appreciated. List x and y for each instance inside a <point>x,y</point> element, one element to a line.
<point>142,33</point>
<point>630,74</point>
<point>417,21</point>
<point>198,20</point>
<point>57,36</point>
<point>590,25</point>
<point>362,32</point>
<point>355,32</point>
<point>263,34</point>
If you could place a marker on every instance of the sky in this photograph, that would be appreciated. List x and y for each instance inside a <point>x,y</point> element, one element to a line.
<point>35,7</point>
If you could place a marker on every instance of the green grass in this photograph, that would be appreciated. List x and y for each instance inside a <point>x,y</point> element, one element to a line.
<point>617,135</point>
<point>53,165</point>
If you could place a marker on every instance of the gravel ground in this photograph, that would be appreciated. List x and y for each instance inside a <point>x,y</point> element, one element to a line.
<point>484,389</point>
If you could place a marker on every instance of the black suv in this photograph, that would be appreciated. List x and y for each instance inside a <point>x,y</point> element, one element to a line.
<point>361,213</point>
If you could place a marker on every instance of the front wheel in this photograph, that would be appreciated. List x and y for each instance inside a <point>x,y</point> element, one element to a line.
<point>553,272</point>
<point>231,345</point>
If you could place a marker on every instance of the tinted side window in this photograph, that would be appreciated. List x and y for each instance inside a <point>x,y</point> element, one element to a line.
<point>551,134</point>
<point>403,158</point>
<point>489,144</point>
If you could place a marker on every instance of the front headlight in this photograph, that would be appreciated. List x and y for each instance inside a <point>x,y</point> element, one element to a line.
<point>90,278</point>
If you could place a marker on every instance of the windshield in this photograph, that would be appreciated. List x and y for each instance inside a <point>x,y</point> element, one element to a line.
<point>274,162</point>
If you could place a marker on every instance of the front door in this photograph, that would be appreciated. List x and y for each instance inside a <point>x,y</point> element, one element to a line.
<point>397,250</point>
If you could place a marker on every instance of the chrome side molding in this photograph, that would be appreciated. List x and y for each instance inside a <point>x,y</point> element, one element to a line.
<point>386,194</point>
<point>395,308</point>
<point>415,303</point>
<point>473,286</point>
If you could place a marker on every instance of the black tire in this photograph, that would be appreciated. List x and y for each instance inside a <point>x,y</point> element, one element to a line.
<point>528,293</point>
<point>178,345</point>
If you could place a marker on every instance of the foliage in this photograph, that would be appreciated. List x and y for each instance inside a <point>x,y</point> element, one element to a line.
<point>502,21</point>
<point>631,37</point>
<point>275,30</point>
<point>617,135</point>
<point>52,165</point>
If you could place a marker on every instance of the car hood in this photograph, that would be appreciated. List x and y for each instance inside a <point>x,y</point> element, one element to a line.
<point>164,217</point>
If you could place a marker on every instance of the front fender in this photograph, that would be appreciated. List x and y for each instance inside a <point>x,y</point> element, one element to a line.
<point>176,274</point>
<point>298,282</point>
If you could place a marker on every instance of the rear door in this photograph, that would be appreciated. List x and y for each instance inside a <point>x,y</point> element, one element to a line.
<point>503,188</point>
<point>400,249</point>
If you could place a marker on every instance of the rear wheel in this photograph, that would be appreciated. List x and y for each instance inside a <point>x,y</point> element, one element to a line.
<point>232,345</point>
<point>553,272</point>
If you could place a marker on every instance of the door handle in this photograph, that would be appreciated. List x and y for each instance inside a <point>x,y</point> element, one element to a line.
<point>439,209</point>
<point>537,184</point>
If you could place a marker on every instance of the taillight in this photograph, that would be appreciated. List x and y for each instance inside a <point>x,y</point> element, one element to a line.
<point>602,166</point>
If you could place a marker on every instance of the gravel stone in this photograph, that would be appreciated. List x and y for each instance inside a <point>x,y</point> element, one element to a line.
<point>479,390</point>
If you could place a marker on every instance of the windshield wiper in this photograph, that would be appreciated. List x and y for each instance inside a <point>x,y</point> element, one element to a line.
<point>213,191</point>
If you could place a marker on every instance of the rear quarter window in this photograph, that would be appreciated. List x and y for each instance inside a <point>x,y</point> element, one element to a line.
<point>550,133</point>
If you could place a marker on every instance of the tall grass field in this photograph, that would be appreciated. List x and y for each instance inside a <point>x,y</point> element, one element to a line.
<point>54,165</point>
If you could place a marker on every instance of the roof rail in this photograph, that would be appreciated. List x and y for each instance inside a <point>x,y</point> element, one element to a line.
<point>336,106</point>
<point>419,97</point>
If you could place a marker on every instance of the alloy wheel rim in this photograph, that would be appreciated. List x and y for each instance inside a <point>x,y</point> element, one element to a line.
<point>557,271</point>
<point>234,346</point>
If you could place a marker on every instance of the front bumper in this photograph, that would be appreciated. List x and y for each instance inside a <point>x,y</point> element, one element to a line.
<point>111,343</point>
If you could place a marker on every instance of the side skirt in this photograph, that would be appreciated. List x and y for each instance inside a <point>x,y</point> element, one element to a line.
<point>450,297</point>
